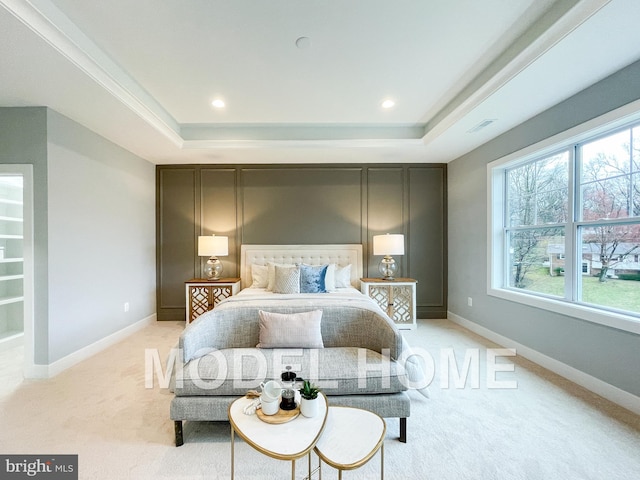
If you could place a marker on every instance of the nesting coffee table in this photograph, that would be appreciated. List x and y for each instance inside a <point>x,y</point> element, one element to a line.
<point>342,437</point>
<point>351,437</point>
<point>286,441</point>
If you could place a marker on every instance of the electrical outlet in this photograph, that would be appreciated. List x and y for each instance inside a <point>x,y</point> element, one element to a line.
<point>470,301</point>
<point>126,306</point>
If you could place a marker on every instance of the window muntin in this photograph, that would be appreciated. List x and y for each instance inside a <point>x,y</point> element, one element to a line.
<point>635,148</point>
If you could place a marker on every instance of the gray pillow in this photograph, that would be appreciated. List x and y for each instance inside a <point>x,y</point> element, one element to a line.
<point>287,280</point>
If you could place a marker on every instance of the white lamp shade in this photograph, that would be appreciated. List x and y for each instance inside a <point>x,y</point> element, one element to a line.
<point>213,245</point>
<point>389,244</point>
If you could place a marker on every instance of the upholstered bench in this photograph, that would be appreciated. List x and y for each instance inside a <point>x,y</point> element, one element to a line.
<point>362,362</point>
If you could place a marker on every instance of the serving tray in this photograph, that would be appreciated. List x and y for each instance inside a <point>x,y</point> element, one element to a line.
<point>283,416</point>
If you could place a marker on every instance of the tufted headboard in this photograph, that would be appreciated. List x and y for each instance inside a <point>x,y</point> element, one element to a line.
<point>341,255</point>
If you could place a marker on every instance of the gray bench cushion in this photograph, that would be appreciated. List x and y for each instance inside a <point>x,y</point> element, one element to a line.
<point>337,371</point>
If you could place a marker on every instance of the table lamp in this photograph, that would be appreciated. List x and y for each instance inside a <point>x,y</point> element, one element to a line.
<point>387,245</point>
<point>213,246</point>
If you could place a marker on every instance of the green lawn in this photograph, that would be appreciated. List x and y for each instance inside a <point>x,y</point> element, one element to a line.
<point>621,294</point>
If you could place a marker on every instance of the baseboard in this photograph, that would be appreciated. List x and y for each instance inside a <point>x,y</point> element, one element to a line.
<point>53,369</point>
<point>604,389</point>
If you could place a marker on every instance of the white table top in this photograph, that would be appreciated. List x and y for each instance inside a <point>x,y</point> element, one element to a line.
<point>350,438</point>
<point>286,441</point>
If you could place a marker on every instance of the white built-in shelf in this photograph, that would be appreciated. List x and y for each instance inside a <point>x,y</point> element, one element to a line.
<point>11,219</point>
<point>11,277</point>
<point>11,260</point>
<point>7,201</point>
<point>6,278</point>
<point>11,339</point>
<point>8,300</point>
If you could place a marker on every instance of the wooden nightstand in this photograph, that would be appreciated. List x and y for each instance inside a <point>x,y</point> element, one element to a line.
<point>396,297</point>
<point>203,294</point>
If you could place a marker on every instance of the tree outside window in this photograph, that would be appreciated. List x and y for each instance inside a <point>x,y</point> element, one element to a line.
<point>603,228</point>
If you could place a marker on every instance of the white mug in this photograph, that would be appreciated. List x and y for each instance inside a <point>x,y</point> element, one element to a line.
<point>269,408</point>
<point>270,391</point>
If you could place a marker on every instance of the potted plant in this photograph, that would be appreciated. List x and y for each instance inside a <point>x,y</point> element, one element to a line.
<point>309,399</point>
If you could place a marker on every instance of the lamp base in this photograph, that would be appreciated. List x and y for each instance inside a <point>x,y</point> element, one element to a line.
<point>213,269</point>
<point>388,267</point>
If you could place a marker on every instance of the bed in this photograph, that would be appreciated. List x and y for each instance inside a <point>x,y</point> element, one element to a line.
<point>350,347</point>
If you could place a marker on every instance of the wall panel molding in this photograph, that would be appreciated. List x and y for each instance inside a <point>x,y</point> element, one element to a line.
<point>298,204</point>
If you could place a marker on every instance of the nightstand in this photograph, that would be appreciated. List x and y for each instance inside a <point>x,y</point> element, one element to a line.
<point>203,295</point>
<point>396,297</point>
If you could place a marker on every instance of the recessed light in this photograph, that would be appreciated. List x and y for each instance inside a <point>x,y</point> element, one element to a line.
<point>217,103</point>
<point>388,104</point>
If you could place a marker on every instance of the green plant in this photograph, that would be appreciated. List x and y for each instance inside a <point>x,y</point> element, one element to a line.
<point>629,276</point>
<point>309,390</point>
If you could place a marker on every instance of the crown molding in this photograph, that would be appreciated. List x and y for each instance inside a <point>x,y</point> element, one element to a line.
<point>58,31</point>
<point>351,143</point>
<point>50,24</point>
<point>559,22</point>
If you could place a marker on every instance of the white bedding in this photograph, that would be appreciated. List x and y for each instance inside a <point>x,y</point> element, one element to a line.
<point>337,293</point>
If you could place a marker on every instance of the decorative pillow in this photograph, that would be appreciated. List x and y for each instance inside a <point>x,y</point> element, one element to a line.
<point>330,278</point>
<point>312,278</point>
<point>287,279</point>
<point>290,330</point>
<point>259,276</point>
<point>343,277</point>
<point>271,272</point>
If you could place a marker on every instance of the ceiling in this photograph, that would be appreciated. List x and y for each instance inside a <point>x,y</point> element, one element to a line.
<point>304,80</point>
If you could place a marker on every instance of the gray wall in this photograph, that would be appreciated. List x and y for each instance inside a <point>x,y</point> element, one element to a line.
<point>302,204</point>
<point>606,353</point>
<point>101,207</point>
<point>94,230</point>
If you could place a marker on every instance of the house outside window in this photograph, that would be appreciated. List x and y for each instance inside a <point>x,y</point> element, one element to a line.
<point>565,222</point>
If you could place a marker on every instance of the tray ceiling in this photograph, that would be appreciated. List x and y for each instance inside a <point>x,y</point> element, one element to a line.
<point>304,81</point>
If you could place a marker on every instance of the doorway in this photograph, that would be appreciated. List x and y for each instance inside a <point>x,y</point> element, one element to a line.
<point>16,262</point>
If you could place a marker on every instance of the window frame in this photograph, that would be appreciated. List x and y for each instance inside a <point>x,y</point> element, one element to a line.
<point>497,267</point>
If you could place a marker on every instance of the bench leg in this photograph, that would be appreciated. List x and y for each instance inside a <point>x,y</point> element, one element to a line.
<point>178,429</point>
<point>403,430</point>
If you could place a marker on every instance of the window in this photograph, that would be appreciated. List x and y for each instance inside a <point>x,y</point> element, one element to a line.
<point>537,209</point>
<point>565,225</point>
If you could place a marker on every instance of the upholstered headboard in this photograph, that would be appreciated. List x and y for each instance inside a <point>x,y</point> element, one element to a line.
<point>341,255</point>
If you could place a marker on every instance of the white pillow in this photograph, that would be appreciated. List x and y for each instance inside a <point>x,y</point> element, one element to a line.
<point>343,276</point>
<point>290,330</point>
<point>259,276</point>
<point>287,279</point>
<point>271,273</point>
<point>330,278</point>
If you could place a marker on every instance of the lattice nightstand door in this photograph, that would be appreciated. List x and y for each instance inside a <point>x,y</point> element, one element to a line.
<point>202,295</point>
<point>396,297</point>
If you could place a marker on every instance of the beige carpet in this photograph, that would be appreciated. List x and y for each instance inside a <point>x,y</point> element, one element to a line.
<point>547,428</point>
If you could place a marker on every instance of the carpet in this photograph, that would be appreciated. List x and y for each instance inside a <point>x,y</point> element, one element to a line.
<point>546,428</point>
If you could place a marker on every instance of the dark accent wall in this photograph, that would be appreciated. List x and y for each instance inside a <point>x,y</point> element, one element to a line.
<point>301,204</point>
